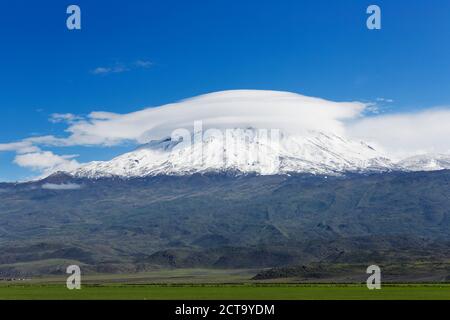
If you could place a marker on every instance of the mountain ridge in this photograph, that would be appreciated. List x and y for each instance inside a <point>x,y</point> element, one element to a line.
<point>316,153</point>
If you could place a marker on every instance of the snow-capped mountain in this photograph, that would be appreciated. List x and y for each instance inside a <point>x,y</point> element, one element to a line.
<point>312,137</point>
<point>245,151</point>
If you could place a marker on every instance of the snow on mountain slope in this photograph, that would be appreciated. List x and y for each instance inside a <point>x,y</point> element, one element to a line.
<point>425,162</point>
<point>245,151</point>
<point>310,137</point>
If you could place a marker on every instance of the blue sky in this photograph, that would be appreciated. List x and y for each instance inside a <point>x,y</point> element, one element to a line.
<point>158,52</point>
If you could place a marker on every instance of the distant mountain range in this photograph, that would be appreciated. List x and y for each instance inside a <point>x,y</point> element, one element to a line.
<point>243,151</point>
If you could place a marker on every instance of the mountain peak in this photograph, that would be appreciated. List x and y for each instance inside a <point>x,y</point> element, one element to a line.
<point>242,150</point>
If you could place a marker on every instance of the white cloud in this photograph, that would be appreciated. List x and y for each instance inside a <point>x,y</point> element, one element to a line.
<point>64,117</point>
<point>19,147</point>
<point>372,108</point>
<point>385,100</point>
<point>103,115</point>
<point>107,70</point>
<point>63,186</point>
<point>119,68</point>
<point>46,161</point>
<point>101,70</point>
<point>406,134</point>
<point>143,64</point>
<point>48,141</point>
<point>228,109</point>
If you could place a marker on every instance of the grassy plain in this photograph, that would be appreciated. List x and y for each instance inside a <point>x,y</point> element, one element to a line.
<point>204,284</point>
<point>225,292</point>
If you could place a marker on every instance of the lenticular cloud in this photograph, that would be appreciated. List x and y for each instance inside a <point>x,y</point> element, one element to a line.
<point>289,112</point>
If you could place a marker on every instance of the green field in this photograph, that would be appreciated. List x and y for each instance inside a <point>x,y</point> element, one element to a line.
<point>216,291</point>
<point>201,284</point>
